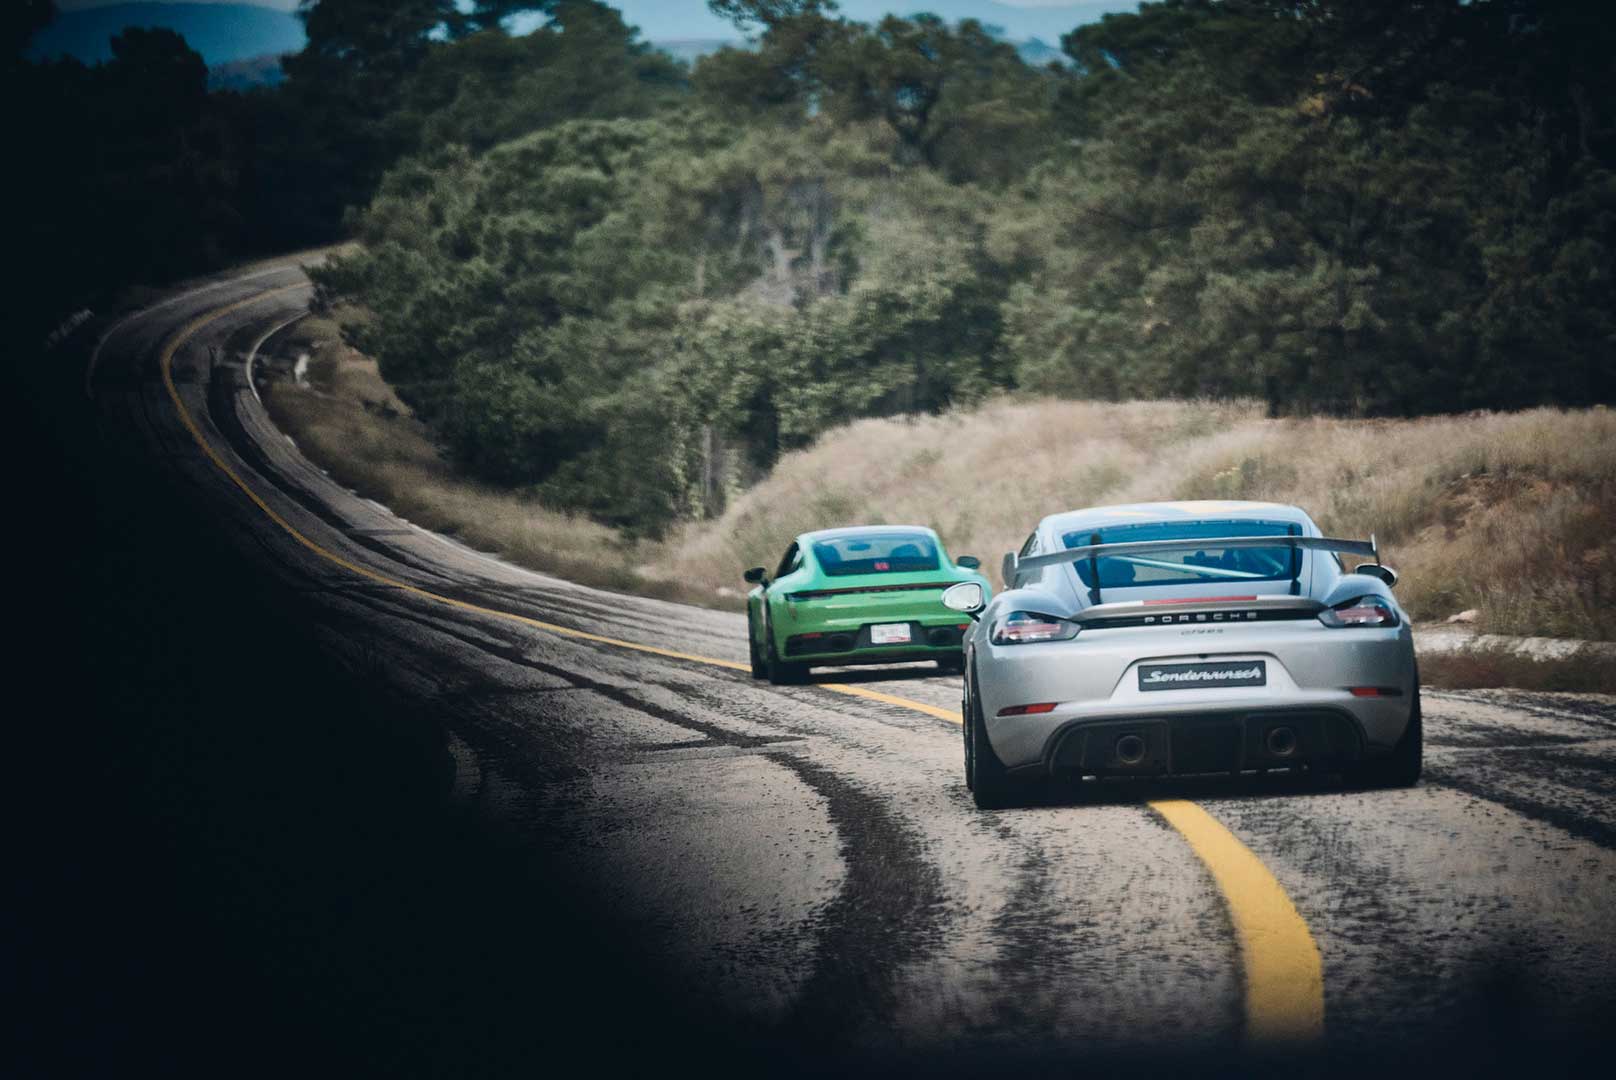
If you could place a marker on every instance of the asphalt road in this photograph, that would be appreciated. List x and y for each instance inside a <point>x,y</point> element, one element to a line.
<point>801,868</point>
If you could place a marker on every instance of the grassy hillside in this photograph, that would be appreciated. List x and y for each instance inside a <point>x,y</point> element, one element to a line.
<point>1509,514</point>
<point>346,418</point>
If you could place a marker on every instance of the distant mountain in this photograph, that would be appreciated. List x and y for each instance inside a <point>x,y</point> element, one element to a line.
<point>1044,22</point>
<point>691,20</point>
<point>1033,52</point>
<point>1038,54</point>
<point>222,33</point>
<point>692,49</point>
<point>243,75</point>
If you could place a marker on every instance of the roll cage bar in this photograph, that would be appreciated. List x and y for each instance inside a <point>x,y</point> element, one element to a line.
<point>1015,565</point>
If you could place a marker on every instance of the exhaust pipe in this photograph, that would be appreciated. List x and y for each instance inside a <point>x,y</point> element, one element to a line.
<point>1130,749</point>
<point>1281,741</point>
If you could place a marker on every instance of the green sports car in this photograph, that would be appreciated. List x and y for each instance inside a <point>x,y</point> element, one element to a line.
<point>861,595</point>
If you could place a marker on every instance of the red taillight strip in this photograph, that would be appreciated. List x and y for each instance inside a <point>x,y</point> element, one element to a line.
<point>814,594</point>
<point>1375,691</point>
<point>1023,710</point>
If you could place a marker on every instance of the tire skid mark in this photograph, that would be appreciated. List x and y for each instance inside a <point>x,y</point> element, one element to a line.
<point>765,712</point>
<point>1587,828</point>
<point>561,601</point>
<point>1500,737</point>
<point>1593,714</point>
<point>1425,976</point>
<point>482,722</point>
<point>513,650</point>
<point>1585,772</point>
<point>1569,707</point>
<point>1024,928</point>
<point>889,912</point>
<point>565,609</point>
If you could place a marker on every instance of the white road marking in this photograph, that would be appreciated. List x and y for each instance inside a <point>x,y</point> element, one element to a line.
<point>252,354</point>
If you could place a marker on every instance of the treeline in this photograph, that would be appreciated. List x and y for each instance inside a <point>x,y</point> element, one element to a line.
<point>628,284</point>
<point>123,173</point>
<point>1346,205</point>
<point>131,172</point>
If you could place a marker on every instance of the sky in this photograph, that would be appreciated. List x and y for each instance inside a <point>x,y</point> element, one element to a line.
<point>662,20</point>
<point>80,5</point>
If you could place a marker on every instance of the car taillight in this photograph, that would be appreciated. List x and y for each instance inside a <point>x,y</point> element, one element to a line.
<point>1362,611</point>
<point>1025,627</point>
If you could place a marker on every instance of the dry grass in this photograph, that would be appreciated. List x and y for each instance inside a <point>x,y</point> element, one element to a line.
<point>349,421</point>
<point>1485,667</point>
<point>1511,514</point>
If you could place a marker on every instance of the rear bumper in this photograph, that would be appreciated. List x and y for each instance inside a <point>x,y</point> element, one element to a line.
<point>1209,742</point>
<point>853,644</point>
<point>1094,680</point>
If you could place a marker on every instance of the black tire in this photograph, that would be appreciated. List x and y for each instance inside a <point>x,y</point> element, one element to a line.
<point>1401,768</point>
<point>779,672</point>
<point>985,774</point>
<point>952,665</point>
<point>759,668</point>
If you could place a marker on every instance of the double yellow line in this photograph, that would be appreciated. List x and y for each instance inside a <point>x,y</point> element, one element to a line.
<point>1284,977</point>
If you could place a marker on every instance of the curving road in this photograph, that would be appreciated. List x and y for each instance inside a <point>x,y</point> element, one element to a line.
<point>804,865</point>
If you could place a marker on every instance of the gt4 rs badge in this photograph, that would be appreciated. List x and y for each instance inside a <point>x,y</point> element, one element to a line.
<point>1190,676</point>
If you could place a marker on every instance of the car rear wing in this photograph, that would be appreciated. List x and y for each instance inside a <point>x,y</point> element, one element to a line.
<point>1014,566</point>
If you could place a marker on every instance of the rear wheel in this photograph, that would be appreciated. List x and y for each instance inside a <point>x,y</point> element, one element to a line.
<point>1400,768</point>
<point>781,673</point>
<point>759,668</point>
<point>984,772</point>
<point>952,665</point>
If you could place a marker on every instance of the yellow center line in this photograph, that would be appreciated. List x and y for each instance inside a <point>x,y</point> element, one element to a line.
<point>1284,999</point>
<point>166,363</point>
<point>951,715</point>
<point>1284,975</point>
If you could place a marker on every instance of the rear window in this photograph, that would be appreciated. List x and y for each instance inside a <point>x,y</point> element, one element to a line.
<point>879,553</point>
<point>1195,562</point>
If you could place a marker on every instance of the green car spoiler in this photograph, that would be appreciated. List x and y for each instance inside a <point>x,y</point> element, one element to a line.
<point>1014,565</point>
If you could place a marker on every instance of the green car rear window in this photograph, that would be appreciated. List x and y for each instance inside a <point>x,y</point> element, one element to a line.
<point>878,553</point>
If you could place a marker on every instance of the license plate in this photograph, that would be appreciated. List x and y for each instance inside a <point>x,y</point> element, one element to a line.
<point>1194,676</point>
<point>896,633</point>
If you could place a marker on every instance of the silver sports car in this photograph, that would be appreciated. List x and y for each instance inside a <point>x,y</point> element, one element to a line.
<point>1195,637</point>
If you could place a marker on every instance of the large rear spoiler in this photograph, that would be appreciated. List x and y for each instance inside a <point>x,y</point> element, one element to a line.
<point>1093,552</point>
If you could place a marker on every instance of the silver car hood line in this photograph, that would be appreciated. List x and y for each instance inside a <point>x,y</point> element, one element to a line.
<point>1146,547</point>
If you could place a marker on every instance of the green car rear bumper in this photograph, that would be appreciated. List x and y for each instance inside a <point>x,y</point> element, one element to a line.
<point>929,639</point>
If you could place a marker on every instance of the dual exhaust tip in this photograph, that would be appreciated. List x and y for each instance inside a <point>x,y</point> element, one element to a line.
<point>1131,749</point>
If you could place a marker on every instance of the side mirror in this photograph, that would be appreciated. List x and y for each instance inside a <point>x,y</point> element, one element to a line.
<point>970,562</point>
<point>966,597</point>
<point>1375,570</point>
<point>757,576</point>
